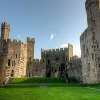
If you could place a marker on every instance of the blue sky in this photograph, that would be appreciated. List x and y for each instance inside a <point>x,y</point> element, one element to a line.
<point>53,23</point>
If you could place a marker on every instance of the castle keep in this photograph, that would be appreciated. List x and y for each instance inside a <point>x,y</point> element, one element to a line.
<point>90,44</point>
<point>15,56</point>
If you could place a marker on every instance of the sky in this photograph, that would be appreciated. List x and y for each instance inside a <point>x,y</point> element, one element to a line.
<point>53,23</point>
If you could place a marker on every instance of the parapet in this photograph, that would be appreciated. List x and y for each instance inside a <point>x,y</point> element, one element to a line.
<point>30,39</point>
<point>5,24</point>
<point>49,51</point>
<point>36,61</point>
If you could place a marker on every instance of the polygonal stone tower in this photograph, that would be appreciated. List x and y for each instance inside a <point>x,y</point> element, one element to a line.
<point>90,44</point>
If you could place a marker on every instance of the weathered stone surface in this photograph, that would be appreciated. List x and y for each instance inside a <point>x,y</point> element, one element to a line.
<point>90,44</point>
<point>75,69</point>
<point>14,55</point>
<point>37,69</point>
<point>56,61</point>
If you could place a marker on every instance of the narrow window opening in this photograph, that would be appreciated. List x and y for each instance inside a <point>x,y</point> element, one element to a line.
<point>8,62</point>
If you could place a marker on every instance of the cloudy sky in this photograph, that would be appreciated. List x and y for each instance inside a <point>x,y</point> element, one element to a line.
<point>53,23</point>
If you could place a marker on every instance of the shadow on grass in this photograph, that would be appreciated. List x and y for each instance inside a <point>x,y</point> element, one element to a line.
<point>45,85</point>
<point>43,82</point>
<point>36,80</point>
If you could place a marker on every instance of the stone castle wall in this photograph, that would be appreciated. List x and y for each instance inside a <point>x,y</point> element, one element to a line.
<point>75,69</point>
<point>56,61</point>
<point>37,69</point>
<point>14,55</point>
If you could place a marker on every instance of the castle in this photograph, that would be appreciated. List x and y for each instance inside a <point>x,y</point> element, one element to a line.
<point>57,63</point>
<point>90,44</point>
<point>17,60</point>
<point>15,56</point>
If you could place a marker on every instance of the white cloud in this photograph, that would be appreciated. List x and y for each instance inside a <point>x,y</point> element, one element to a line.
<point>76,48</point>
<point>64,45</point>
<point>52,36</point>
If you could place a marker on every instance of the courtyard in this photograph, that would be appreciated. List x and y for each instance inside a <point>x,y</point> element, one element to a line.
<point>48,89</point>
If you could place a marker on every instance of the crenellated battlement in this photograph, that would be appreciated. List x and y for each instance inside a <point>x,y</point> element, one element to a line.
<point>30,39</point>
<point>5,29</point>
<point>37,61</point>
<point>15,41</point>
<point>53,50</point>
<point>58,50</point>
<point>5,24</point>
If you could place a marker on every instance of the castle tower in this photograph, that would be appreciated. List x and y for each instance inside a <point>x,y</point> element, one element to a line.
<point>70,51</point>
<point>5,29</point>
<point>30,54</point>
<point>90,44</point>
<point>30,48</point>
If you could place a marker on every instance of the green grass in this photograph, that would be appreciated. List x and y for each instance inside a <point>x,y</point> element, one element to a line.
<point>19,91</point>
<point>36,80</point>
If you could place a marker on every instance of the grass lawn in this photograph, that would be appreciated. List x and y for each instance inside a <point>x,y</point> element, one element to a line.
<point>19,91</point>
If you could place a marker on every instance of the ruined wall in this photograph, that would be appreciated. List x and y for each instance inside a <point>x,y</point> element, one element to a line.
<point>16,59</point>
<point>15,56</point>
<point>20,61</point>
<point>56,60</point>
<point>75,69</point>
<point>37,69</point>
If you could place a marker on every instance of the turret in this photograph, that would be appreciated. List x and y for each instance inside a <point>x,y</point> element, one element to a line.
<point>5,29</point>
<point>70,51</point>
<point>30,48</point>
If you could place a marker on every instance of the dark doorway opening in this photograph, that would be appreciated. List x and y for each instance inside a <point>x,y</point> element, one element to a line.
<point>12,73</point>
<point>48,69</point>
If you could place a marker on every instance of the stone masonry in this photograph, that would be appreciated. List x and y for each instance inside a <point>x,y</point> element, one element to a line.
<point>56,61</point>
<point>14,55</point>
<point>17,60</point>
<point>37,69</point>
<point>90,44</point>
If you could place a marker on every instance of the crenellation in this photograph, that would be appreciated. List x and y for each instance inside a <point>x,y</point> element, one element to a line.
<point>30,39</point>
<point>45,51</point>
